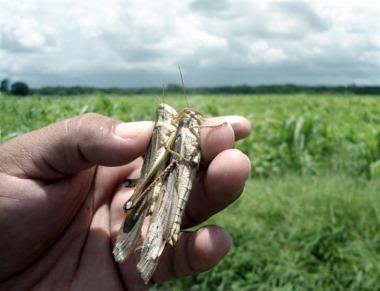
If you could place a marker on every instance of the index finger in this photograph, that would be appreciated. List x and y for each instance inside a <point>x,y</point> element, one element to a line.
<point>215,138</point>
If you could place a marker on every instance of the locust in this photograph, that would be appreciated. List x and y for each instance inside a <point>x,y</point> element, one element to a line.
<point>162,191</point>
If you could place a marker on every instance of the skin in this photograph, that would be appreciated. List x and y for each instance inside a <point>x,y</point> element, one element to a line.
<point>61,204</point>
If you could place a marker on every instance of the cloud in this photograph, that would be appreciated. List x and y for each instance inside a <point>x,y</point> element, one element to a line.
<point>304,13</point>
<point>136,43</point>
<point>24,35</point>
<point>210,7</point>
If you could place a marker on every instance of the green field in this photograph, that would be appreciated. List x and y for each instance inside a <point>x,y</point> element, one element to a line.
<point>309,217</point>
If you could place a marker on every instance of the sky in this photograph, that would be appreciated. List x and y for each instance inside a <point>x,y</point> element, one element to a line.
<point>119,43</point>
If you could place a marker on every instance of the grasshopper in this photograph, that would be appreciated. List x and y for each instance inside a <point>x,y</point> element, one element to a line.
<point>162,191</point>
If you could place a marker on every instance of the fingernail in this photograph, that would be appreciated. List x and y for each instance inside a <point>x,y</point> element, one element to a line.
<point>250,167</point>
<point>132,129</point>
<point>233,119</point>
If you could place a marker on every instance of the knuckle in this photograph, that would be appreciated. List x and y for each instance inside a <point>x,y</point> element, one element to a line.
<point>87,129</point>
<point>91,122</point>
<point>91,117</point>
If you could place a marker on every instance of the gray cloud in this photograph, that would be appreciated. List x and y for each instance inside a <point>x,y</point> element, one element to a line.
<point>135,43</point>
<point>209,6</point>
<point>11,43</point>
<point>304,13</point>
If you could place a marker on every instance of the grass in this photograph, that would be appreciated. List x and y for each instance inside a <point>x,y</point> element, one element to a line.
<point>303,134</point>
<point>309,217</point>
<point>299,233</point>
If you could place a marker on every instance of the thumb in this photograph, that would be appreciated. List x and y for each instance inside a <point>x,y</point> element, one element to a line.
<point>75,144</point>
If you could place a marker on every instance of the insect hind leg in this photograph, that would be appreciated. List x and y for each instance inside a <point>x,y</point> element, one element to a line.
<point>180,157</point>
<point>196,134</point>
<point>224,123</point>
<point>130,203</point>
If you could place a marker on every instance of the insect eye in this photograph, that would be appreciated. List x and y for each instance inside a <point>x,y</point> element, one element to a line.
<point>129,183</point>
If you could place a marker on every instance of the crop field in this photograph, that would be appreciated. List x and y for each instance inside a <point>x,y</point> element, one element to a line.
<point>309,217</point>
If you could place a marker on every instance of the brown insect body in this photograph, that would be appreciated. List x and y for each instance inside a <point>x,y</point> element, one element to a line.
<point>162,191</point>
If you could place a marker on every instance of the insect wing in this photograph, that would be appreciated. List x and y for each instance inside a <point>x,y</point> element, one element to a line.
<point>154,160</point>
<point>173,192</point>
<point>130,231</point>
<point>139,203</point>
<point>188,146</point>
<point>159,228</point>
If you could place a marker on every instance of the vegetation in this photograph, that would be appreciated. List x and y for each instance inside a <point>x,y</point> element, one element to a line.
<point>4,86</point>
<point>298,233</point>
<point>297,133</point>
<point>20,89</point>
<point>238,89</point>
<point>309,217</point>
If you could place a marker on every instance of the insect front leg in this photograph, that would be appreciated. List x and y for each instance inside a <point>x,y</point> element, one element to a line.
<point>195,129</point>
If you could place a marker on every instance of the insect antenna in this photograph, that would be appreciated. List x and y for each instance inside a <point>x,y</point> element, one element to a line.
<point>157,99</point>
<point>163,93</point>
<point>183,86</point>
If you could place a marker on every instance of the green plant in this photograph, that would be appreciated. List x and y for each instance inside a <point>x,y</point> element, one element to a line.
<point>19,89</point>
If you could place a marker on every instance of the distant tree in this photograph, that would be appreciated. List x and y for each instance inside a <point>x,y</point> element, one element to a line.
<point>20,89</point>
<point>174,88</point>
<point>4,87</point>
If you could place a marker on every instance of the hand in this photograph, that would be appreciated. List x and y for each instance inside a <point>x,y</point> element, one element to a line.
<point>61,203</point>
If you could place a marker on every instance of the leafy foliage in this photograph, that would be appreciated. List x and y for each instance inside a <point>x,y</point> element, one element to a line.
<point>20,89</point>
<point>4,86</point>
<point>302,133</point>
<point>237,89</point>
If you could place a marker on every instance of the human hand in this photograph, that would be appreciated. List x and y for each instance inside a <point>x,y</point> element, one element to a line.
<point>61,204</point>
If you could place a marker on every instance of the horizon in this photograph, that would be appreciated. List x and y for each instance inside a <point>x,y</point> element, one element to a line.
<point>210,87</point>
<point>297,85</point>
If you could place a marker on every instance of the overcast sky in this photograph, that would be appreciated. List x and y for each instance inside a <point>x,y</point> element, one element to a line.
<point>139,43</point>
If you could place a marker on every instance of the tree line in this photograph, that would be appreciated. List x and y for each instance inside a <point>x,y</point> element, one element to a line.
<point>16,88</point>
<point>22,89</point>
